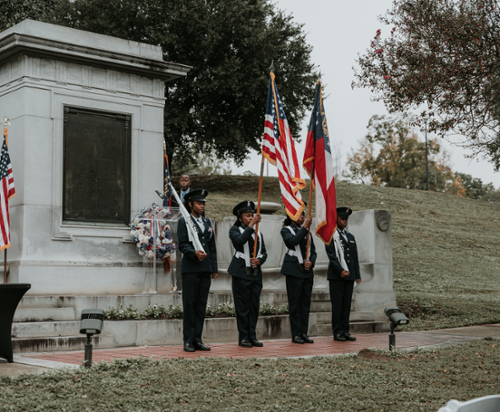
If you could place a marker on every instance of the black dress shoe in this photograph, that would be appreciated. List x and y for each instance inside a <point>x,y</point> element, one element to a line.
<point>189,347</point>
<point>297,339</point>
<point>245,343</point>
<point>201,346</point>
<point>256,343</point>
<point>306,338</point>
<point>339,336</point>
<point>348,336</point>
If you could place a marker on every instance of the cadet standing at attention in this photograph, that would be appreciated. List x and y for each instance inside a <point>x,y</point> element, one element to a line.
<point>299,275</point>
<point>343,271</point>
<point>198,268</point>
<point>246,272</point>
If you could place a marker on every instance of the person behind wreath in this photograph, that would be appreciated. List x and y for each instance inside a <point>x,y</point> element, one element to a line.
<point>246,272</point>
<point>198,267</point>
<point>299,275</point>
<point>343,271</point>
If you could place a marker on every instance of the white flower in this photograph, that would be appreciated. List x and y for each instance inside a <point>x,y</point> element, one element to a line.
<point>150,254</point>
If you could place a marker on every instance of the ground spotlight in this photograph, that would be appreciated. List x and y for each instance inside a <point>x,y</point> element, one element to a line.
<point>91,324</point>
<point>397,318</point>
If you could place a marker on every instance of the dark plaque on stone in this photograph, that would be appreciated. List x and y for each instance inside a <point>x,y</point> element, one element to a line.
<point>96,166</point>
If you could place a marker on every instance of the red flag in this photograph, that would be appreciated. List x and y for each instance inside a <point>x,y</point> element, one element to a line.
<point>279,150</point>
<point>319,166</point>
<point>6,192</point>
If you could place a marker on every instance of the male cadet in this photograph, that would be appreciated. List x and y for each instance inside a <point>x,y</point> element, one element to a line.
<point>343,271</point>
<point>198,268</point>
<point>184,183</point>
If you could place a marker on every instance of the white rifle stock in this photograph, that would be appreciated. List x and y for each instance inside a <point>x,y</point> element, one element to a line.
<point>189,222</point>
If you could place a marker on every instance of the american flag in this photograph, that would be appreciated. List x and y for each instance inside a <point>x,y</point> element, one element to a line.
<point>319,166</point>
<point>279,150</point>
<point>8,190</point>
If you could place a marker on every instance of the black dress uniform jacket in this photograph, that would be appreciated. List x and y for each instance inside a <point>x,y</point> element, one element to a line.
<point>350,256</point>
<point>238,239</point>
<point>190,263</point>
<point>291,263</point>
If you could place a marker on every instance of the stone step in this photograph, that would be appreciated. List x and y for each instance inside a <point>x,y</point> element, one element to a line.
<point>326,317</point>
<point>59,343</point>
<point>324,329</point>
<point>40,314</point>
<point>53,328</point>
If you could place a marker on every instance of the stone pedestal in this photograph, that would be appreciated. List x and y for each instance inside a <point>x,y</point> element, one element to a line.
<point>43,69</point>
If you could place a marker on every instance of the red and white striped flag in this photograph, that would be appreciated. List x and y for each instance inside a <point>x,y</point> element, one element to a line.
<point>319,166</point>
<point>7,191</point>
<point>279,149</point>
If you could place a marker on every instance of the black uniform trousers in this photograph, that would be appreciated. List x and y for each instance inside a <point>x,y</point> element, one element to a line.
<point>246,295</point>
<point>194,303</point>
<point>341,298</point>
<point>299,292</point>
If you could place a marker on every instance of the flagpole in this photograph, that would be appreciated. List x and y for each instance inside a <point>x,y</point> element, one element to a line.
<point>5,266</point>
<point>309,211</point>
<point>271,68</point>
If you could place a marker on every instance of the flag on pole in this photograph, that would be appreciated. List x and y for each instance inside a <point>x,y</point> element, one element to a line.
<point>7,191</point>
<point>319,166</point>
<point>166,182</point>
<point>278,148</point>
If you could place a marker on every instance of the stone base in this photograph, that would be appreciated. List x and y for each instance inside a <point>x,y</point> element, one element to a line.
<point>51,323</point>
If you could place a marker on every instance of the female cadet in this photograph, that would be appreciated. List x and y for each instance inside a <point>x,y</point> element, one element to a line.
<point>246,272</point>
<point>299,275</point>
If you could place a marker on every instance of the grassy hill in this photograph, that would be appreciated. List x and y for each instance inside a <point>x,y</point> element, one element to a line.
<point>446,249</point>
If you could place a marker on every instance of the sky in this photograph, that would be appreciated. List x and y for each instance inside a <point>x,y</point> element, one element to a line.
<point>338,30</point>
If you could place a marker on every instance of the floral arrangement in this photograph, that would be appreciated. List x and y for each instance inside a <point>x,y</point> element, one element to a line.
<point>144,230</point>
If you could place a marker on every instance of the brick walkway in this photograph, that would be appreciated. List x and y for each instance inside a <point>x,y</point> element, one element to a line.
<point>323,346</point>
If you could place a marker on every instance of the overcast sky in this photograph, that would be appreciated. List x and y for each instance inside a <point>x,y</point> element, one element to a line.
<point>338,30</point>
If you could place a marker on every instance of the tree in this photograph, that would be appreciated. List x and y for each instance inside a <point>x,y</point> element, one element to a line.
<point>392,155</point>
<point>15,11</point>
<point>441,57</point>
<point>473,186</point>
<point>230,44</point>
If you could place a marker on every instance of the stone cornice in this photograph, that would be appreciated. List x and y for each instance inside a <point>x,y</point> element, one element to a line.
<point>13,43</point>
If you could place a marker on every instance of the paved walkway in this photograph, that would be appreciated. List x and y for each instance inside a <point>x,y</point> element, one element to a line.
<point>323,346</point>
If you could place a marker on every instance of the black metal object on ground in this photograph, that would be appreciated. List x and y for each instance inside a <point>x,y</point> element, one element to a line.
<point>10,296</point>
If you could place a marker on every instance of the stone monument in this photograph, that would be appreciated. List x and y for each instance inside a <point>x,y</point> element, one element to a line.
<point>86,145</point>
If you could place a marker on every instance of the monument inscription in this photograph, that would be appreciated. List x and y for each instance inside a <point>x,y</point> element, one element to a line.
<point>96,166</point>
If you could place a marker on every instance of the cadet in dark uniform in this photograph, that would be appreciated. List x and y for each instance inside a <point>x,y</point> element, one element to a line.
<point>343,271</point>
<point>246,272</point>
<point>299,275</point>
<point>198,267</point>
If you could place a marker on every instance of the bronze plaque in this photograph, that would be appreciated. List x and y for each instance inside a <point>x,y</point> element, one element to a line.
<point>96,166</point>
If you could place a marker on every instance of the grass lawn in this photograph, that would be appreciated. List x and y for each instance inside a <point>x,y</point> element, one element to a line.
<point>424,380</point>
<point>446,249</point>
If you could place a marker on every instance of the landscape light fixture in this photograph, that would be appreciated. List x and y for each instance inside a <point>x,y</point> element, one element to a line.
<point>397,318</point>
<point>91,324</point>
